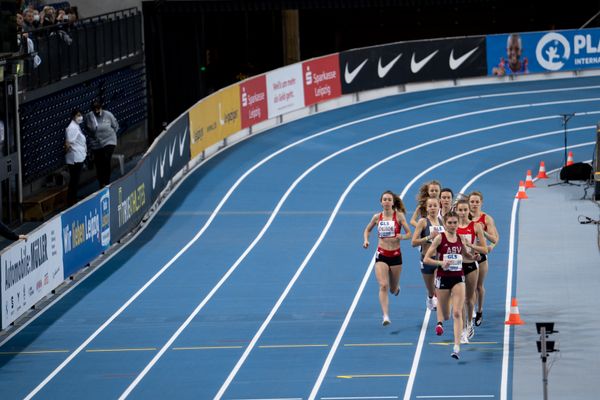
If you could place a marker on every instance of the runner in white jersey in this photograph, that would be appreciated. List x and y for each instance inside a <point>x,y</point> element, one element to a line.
<point>427,229</point>
<point>388,259</point>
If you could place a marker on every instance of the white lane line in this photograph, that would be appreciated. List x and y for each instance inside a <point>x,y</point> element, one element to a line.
<point>350,123</point>
<point>333,350</point>
<point>359,398</point>
<point>464,396</point>
<point>230,192</point>
<point>426,319</point>
<point>415,364</point>
<point>340,334</point>
<point>273,398</point>
<point>278,207</point>
<point>509,279</point>
<point>416,360</point>
<point>305,261</point>
<point>201,231</point>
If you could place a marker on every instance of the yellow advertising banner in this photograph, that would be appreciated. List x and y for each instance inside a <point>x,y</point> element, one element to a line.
<point>214,118</point>
<point>230,116</point>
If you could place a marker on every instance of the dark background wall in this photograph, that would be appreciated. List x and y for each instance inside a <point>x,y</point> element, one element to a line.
<point>196,47</point>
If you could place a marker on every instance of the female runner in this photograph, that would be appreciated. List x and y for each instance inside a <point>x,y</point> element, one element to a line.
<point>491,234</point>
<point>427,229</point>
<point>450,281</point>
<point>427,190</point>
<point>469,231</point>
<point>388,259</point>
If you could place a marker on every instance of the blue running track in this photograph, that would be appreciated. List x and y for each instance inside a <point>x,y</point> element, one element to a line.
<point>251,281</point>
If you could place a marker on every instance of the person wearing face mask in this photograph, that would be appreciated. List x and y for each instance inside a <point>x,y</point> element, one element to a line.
<point>36,19</point>
<point>76,151</point>
<point>102,127</point>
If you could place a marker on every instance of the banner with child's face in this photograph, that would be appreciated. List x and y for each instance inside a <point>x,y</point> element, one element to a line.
<point>534,52</point>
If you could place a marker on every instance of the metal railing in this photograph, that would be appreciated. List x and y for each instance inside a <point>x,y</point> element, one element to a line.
<point>68,49</point>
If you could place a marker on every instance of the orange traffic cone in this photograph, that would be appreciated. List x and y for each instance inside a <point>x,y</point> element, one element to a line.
<point>569,159</point>
<point>521,193</point>
<point>514,318</point>
<point>529,180</point>
<point>542,173</point>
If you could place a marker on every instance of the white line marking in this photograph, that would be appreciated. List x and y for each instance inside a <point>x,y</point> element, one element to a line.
<point>351,310</point>
<point>275,212</point>
<point>302,266</point>
<point>338,338</point>
<point>359,398</point>
<point>274,398</point>
<point>415,364</point>
<point>350,123</point>
<point>416,360</point>
<point>464,396</point>
<point>230,192</point>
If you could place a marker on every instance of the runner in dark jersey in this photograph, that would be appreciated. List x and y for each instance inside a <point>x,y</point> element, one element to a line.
<point>388,259</point>
<point>450,281</point>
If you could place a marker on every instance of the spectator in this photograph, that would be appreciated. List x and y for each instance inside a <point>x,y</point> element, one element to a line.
<point>9,234</point>
<point>102,127</point>
<point>20,22</point>
<point>49,16</point>
<point>29,22</point>
<point>36,18</point>
<point>76,151</point>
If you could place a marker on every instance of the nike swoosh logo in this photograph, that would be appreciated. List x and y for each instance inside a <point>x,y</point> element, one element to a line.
<point>349,76</point>
<point>172,152</point>
<point>417,66</point>
<point>182,142</point>
<point>154,174</point>
<point>162,164</point>
<point>382,71</point>
<point>455,63</point>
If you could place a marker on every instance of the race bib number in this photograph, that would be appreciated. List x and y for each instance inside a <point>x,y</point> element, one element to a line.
<point>455,261</point>
<point>437,228</point>
<point>386,229</point>
<point>467,238</point>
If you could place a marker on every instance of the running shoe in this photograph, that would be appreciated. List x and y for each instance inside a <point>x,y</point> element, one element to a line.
<point>456,352</point>
<point>386,320</point>
<point>429,303</point>
<point>470,330</point>
<point>478,318</point>
<point>439,330</point>
<point>463,337</point>
<point>434,301</point>
<point>397,292</point>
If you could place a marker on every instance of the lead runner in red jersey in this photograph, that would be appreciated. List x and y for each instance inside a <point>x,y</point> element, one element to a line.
<point>450,281</point>
<point>388,258</point>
